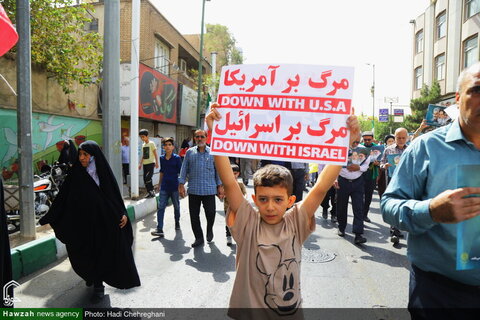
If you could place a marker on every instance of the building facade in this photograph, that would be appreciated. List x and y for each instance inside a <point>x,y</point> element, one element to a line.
<point>445,39</point>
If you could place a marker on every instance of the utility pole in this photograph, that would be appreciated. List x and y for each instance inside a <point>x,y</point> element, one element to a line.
<point>24,121</point>
<point>134,84</point>
<point>111,88</point>
<point>200,62</point>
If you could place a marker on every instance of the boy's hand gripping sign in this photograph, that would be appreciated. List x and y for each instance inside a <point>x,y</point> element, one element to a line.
<point>284,112</point>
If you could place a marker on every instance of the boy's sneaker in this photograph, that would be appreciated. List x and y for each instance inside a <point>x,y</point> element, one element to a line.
<point>157,233</point>
<point>177,225</point>
<point>229,241</point>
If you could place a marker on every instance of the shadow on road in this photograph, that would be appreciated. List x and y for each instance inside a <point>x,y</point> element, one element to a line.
<point>214,262</point>
<point>176,247</point>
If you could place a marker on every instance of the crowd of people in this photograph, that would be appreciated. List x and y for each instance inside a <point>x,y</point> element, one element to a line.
<point>415,198</point>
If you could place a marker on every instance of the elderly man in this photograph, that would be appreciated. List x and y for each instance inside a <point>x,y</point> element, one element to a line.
<point>198,169</point>
<point>423,199</point>
<point>401,136</point>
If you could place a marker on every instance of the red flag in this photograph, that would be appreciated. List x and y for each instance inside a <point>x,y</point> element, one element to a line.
<point>8,34</point>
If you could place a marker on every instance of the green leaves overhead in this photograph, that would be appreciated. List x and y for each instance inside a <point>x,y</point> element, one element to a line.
<point>61,44</point>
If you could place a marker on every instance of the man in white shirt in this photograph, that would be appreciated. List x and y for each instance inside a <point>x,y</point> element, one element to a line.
<point>350,183</point>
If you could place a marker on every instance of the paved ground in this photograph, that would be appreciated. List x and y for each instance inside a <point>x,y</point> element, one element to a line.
<point>173,274</point>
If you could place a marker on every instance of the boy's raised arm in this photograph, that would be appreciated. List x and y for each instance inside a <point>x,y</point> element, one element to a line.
<point>328,176</point>
<point>222,164</point>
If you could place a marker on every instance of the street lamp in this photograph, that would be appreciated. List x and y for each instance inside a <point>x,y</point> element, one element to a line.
<point>372,90</point>
<point>200,60</point>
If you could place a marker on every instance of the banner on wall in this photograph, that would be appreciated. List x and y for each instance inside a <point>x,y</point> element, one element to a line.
<point>157,96</point>
<point>188,114</point>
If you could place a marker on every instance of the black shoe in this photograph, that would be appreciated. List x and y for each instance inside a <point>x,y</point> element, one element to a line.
<point>325,214</point>
<point>177,225</point>
<point>157,233</point>
<point>359,239</point>
<point>150,195</point>
<point>98,294</point>
<point>197,243</point>
<point>341,233</point>
<point>367,219</point>
<point>395,232</point>
<point>245,182</point>
<point>334,219</point>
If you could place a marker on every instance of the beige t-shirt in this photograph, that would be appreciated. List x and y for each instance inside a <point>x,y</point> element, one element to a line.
<point>147,152</point>
<point>268,260</point>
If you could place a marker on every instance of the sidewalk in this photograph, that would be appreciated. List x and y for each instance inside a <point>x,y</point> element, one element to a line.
<point>29,256</point>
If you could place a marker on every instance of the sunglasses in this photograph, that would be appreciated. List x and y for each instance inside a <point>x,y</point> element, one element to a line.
<point>200,137</point>
<point>356,141</point>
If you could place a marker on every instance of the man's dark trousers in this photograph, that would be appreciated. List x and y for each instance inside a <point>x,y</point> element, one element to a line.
<point>148,176</point>
<point>434,296</point>
<point>369,186</point>
<point>194,202</point>
<point>354,189</point>
<point>298,183</point>
<point>330,196</point>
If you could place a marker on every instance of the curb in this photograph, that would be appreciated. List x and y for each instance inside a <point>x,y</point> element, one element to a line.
<point>37,254</point>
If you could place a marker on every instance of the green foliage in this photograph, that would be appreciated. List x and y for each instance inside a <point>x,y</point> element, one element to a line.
<point>419,105</point>
<point>219,39</point>
<point>59,43</point>
<point>381,128</point>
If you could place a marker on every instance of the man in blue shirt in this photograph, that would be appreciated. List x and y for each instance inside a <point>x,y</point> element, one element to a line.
<point>422,198</point>
<point>170,165</point>
<point>203,184</point>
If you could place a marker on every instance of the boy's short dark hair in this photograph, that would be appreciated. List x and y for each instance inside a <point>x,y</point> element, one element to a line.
<point>273,175</point>
<point>235,168</point>
<point>169,139</point>
<point>143,132</point>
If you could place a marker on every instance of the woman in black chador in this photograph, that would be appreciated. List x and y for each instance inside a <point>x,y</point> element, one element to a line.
<point>68,154</point>
<point>89,216</point>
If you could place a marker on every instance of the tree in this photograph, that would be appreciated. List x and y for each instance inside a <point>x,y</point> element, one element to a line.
<point>60,44</point>
<point>419,105</point>
<point>219,39</point>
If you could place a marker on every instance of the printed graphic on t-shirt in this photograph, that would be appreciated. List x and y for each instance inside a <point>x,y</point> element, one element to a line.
<point>146,152</point>
<point>282,283</point>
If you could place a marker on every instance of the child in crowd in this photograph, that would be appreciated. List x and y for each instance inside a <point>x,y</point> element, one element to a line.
<point>170,166</point>
<point>149,160</point>
<point>270,238</point>
<point>236,173</point>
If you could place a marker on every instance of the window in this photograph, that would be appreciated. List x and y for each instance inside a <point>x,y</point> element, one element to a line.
<point>162,57</point>
<point>470,51</point>
<point>419,41</point>
<point>418,78</point>
<point>440,67</point>
<point>441,25</point>
<point>472,7</point>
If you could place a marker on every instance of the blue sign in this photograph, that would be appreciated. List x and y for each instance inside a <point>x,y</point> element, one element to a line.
<point>383,112</point>
<point>398,112</point>
<point>383,118</point>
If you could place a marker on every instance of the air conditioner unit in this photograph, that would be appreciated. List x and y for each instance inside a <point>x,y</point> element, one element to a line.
<point>183,65</point>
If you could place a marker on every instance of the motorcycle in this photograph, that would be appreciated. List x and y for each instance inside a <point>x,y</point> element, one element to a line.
<point>45,188</point>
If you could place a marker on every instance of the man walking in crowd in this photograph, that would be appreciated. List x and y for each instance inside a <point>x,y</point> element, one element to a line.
<point>369,176</point>
<point>350,184</point>
<point>423,199</point>
<point>401,135</point>
<point>149,160</point>
<point>203,184</point>
<point>125,158</point>
<point>330,196</point>
<point>170,165</point>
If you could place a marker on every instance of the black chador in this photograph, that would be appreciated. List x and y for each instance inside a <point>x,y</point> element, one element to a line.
<point>86,215</point>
